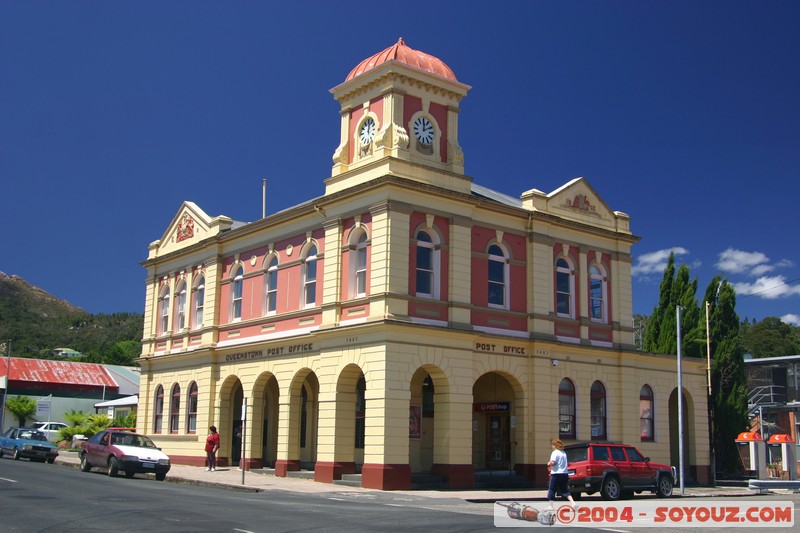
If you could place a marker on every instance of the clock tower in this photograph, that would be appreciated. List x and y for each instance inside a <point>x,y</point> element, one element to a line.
<point>399,116</point>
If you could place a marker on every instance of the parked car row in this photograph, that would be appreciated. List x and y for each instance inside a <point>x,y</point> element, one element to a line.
<point>29,443</point>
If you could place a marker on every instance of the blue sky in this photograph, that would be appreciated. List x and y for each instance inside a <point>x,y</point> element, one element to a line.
<point>683,114</point>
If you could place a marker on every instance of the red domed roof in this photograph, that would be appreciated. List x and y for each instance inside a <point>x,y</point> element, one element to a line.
<point>404,54</point>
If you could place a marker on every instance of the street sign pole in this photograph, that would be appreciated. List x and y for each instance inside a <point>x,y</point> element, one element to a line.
<point>242,461</point>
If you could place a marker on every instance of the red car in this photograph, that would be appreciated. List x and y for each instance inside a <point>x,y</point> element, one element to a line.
<point>117,449</point>
<point>616,471</point>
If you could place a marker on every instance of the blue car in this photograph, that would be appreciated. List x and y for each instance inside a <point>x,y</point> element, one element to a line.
<point>28,442</point>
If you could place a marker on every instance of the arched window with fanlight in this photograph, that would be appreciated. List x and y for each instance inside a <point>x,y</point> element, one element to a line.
<point>427,264</point>
<point>647,421</point>
<point>565,288</point>
<point>180,306</point>
<point>358,263</point>
<point>597,411</point>
<point>199,301</point>
<point>498,277</point>
<point>175,409</point>
<point>237,287</point>
<point>566,409</point>
<point>271,286</point>
<point>191,409</point>
<point>310,277</point>
<point>163,310</point>
<point>598,290</point>
<point>158,409</point>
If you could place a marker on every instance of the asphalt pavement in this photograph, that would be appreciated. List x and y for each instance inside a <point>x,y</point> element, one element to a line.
<point>255,481</point>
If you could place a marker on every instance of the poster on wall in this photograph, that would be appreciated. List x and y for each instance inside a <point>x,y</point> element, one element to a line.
<point>414,421</point>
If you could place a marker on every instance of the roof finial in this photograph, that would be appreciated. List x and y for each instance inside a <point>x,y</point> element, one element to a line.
<point>401,41</point>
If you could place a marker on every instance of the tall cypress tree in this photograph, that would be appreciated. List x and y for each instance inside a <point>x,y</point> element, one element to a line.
<point>653,331</point>
<point>728,402</point>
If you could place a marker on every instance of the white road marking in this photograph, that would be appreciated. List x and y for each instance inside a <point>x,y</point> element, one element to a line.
<point>9,480</point>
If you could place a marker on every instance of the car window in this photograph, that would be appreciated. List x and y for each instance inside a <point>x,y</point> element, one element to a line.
<point>576,454</point>
<point>600,453</point>
<point>634,455</point>
<point>618,454</point>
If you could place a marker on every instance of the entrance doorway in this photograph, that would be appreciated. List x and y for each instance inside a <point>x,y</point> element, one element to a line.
<point>498,441</point>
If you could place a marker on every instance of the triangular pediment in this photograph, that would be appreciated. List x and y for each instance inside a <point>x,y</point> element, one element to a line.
<point>189,226</point>
<point>579,201</point>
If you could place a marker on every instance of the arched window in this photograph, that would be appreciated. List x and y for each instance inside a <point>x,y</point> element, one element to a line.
<point>175,409</point>
<point>646,414</point>
<point>358,264</point>
<point>566,409</point>
<point>199,301</point>
<point>191,409</point>
<point>597,411</point>
<point>498,277</point>
<point>180,306</point>
<point>163,311</point>
<point>427,279</point>
<point>565,288</point>
<point>271,286</point>
<point>236,293</point>
<point>310,277</point>
<point>597,293</point>
<point>361,408</point>
<point>158,409</point>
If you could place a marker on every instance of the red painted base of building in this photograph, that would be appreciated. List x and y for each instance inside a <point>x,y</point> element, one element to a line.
<point>456,476</point>
<point>328,471</point>
<point>386,477</point>
<point>282,466</point>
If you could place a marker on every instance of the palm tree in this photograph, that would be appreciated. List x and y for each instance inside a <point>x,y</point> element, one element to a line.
<point>22,407</point>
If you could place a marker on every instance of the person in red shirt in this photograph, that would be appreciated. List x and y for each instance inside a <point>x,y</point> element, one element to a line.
<point>212,445</point>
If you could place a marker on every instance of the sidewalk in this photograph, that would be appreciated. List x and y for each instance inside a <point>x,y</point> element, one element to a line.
<point>231,478</point>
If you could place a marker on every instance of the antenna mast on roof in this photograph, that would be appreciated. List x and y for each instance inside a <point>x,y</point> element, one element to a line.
<point>264,198</point>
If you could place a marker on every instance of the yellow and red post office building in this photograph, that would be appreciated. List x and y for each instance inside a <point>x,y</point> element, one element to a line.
<point>409,321</point>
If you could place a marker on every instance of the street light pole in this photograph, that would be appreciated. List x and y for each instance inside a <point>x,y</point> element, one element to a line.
<point>680,402</point>
<point>8,382</point>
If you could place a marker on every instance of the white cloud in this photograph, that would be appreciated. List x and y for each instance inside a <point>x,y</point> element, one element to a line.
<point>768,287</point>
<point>738,261</point>
<point>791,319</point>
<point>655,262</point>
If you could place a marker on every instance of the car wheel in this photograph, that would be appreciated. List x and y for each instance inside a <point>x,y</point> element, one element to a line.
<point>161,477</point>
<point>85,466</point>
<point>664,487</point>
<point>611,489</point>
<point>17,455</point>
<point>129,473</point>
<point>113,467</point>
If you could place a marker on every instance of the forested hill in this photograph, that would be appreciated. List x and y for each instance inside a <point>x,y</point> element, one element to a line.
<point>37,323</point>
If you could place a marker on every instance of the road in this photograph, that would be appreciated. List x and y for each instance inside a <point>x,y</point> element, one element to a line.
<point>38,497</point>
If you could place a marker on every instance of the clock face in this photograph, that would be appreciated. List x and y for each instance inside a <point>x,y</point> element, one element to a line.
<point>423,129</point>
<point>367,131</point>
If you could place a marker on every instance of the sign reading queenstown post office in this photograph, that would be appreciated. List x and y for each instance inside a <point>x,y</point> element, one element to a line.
<point>270,352</point>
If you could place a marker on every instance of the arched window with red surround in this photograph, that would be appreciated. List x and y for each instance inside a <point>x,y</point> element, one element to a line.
<point>647,420</point>
<point>566,409</point>
<point>158,410</point>
<point>598,411</point>
<point>191,409</point>
<point>175,409</point>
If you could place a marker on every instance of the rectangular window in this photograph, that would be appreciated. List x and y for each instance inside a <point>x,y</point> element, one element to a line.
<point>497,285</point>
<point>200,296</point>
<point>424,270</point>
<point>564,294</point>
<point>237,299</point>
<point>181,309</point>
<point>311,283</point>
<point>272,291</point>
<point>191,425</point>
<point>361,271</point>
